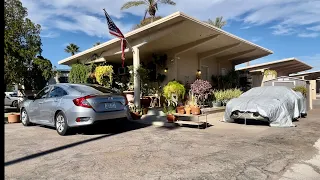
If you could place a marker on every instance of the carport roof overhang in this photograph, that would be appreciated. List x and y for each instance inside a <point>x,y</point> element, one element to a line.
<point>175,34</point>
<point>289,66</point>
<point>314,75</point>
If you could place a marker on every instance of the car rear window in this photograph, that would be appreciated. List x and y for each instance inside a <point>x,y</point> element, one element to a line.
<point>92,89</point>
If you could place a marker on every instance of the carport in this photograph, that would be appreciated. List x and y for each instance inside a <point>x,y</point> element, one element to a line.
<point>191,46</point>
<point>283,67</point>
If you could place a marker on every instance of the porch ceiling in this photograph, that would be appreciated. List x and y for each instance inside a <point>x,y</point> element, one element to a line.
<point>177,33</point>
<point>289,66</point>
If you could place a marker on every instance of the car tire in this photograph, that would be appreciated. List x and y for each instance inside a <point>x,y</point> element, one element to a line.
<point>61,124</point>
<point>15,104</point>
<point>25,118</point>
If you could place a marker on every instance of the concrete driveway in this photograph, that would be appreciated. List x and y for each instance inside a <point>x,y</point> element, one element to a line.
<point>134,151</point>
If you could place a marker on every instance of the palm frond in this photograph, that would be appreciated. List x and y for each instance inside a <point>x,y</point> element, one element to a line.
<point>167,2</point>
<point>133,4</point>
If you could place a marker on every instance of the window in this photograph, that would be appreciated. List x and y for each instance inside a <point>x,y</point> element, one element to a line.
<point>14,95</point>
<point>43,93</point>
<point>57,92</point>
<point>92,89</point>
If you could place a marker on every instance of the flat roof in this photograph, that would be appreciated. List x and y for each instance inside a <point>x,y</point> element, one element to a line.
<point>288,65</point>
<point>183,30</point>
<point>312,75</point>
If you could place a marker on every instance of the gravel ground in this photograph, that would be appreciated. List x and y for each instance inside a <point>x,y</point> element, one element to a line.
<point>131,150</point>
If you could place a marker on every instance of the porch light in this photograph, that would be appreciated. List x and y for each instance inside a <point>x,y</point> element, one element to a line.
<point>166,70</point>
<point>199,72</point>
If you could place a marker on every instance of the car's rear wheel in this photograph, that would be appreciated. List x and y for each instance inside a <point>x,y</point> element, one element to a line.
<point>14,104</point>
<point>25,118</point>
<point>61,124</point>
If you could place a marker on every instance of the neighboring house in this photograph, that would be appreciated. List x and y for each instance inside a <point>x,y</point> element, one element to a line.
<point>283,67</point>
<point>313,77</point>
<point>192,47</point>
<point>60,77</point>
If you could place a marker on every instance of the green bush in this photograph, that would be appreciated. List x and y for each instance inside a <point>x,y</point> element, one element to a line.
<point>78,73</point>
<point>301,89</point>
<point>225,95</point>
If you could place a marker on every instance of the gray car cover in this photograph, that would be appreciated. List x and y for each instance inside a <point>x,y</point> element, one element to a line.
<point>278,103</point>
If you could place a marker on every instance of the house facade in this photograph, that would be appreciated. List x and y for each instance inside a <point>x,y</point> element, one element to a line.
<point>193,48</point>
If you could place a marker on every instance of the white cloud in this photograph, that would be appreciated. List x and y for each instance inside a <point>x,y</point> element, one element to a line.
<point>87,16</point>
<point>282,30</point>
<point>49,35</point>
<point>308,35</point>
<point>314,28</point>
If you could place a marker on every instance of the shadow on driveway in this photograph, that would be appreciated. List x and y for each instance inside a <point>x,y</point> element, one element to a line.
<point>108,128</point>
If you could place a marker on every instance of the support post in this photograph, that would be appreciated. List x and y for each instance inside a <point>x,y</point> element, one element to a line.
<point>136,79</point>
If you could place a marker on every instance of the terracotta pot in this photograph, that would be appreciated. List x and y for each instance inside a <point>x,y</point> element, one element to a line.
<point>171,118</point>
<point>180,110</point>
<point>188,110</point>
<point>145,110</point>
<point>135,115</point>
<point>129,96</point>
<point>195,110</point>
<point>14,118</point>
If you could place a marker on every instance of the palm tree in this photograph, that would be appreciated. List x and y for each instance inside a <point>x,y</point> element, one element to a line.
<point>96,44</point>
<point>72,49</point>
<point>219,23</point>
<point>151,6</point>
<point>145,22</point>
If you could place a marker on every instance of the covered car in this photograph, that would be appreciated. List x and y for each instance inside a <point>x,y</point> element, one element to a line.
<point>279,105</point>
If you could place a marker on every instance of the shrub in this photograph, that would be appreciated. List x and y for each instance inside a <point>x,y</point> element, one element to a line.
<point>104,74</point>
<point>226,95</point>
<point>78,73</point>
<point>173,87</point>
<point>301,89</point>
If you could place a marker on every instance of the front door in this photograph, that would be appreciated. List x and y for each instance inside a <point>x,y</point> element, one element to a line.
<point>34,107</point>
<point>51,104</point>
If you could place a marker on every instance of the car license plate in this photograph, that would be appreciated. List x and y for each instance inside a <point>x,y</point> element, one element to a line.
<point>110,105</point>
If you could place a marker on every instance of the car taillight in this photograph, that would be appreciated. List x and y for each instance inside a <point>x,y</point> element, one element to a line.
<point>82,101</point>
<point>126,100</point>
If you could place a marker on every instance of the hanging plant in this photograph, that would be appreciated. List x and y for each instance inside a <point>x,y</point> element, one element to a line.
<point>270,72</point>
<point>104,74</point>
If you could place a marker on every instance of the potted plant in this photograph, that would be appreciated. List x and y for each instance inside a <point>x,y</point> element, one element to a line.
<point>135,112</point>
<point>187,108</point>
<point>201,90</point>
<point>170,109</point>
<point>218,98</point>
<point>174,91</point>
<point>14,118</point>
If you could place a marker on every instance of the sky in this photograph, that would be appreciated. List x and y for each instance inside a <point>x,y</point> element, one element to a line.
<point>290,28</point>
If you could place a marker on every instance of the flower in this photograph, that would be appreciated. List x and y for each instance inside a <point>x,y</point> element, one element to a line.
<point>201,88</point>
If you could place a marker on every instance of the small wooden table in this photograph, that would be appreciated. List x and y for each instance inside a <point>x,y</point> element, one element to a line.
<point>189,121</point>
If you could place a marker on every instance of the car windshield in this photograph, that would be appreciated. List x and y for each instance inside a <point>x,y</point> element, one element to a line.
<point>92,89</point>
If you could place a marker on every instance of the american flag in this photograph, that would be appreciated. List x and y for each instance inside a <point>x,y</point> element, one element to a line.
<point>114,30</point>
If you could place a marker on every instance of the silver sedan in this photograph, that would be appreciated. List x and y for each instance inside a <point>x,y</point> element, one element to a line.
<point>65,105</point>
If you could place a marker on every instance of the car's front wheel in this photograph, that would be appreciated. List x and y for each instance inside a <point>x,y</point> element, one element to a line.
<point>61,124</point>
<point>25,118</point>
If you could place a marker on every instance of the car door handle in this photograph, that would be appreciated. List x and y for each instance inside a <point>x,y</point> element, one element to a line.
<point>40,102</point>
